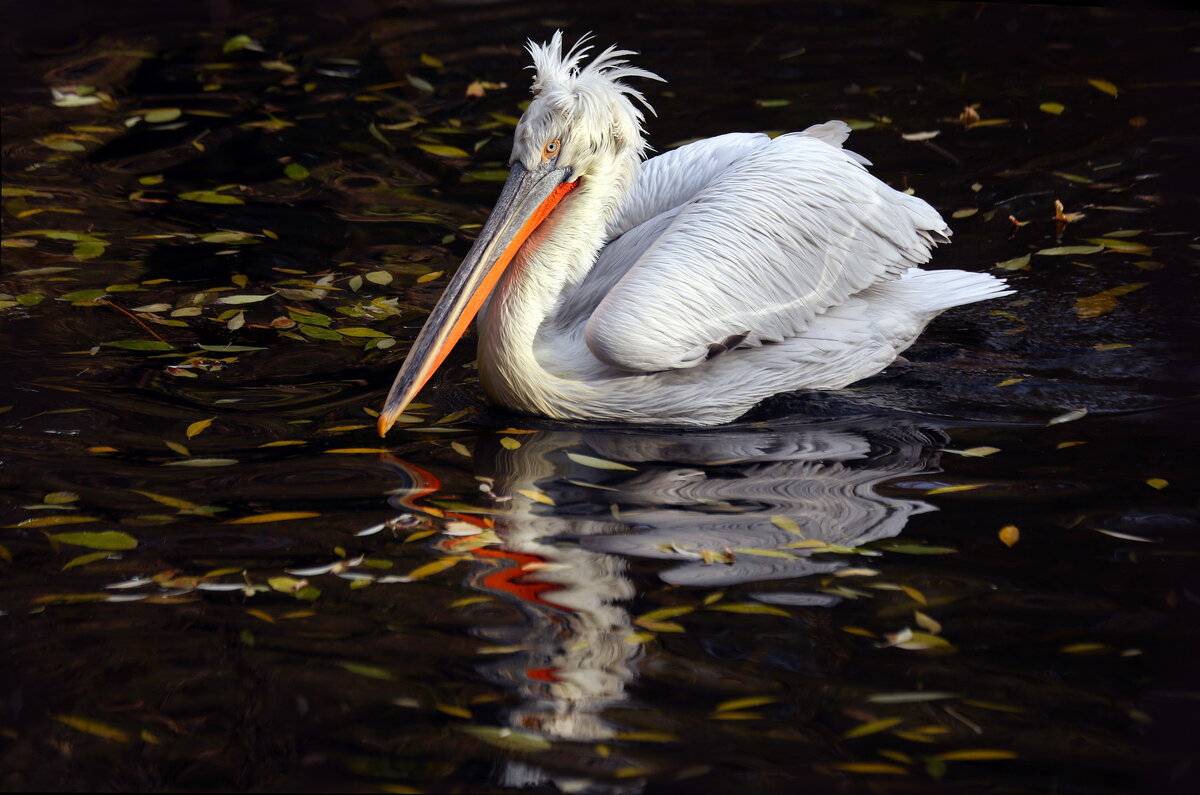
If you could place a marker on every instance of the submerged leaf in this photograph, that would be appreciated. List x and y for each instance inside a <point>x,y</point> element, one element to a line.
<point>598,463</point>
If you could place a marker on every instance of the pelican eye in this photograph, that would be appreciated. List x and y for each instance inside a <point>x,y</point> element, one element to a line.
<point>551,148</point>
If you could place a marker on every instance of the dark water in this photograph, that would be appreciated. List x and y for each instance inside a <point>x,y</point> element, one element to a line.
<point>818,598</point>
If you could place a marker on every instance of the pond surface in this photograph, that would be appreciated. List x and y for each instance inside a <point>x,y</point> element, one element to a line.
<point>974,572</point>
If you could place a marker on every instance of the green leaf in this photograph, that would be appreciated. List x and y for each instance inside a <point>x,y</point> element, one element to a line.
<point>51,521</point>
<point>296,171</point>
<point>243,299</point>
<point>89,249</point>
<point>363,669</point>
<point>83,295</point>
<point>140,345</point>
<point>106,539</point>
<point>912,548</point>
<point>230,348</point>
<point>356,331</point>
<point>318,333</point>
<point>83,560</point>
<point>210,197</point>
<point>508,738</point>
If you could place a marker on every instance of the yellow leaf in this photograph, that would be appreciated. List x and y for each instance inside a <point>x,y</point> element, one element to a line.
<point>914,594</point>
<point>509,443</point>
<point>786,523</point>
<point>1084,648</point>
<point>1053,108</point>
<point>429,277</point>
<point>1010,381</point>
<point>177,447</point>
<point>358,450</point>
<point>1009,534</point>
<point>1103,85</point>
<point>660,626</point>
<point>1090,306</point>
<point>974,754</point>
<point>927,622</point>
<point>284,443</point>
<point>872,727</point>
<point>198,427</point>
<point>951,489</point>
<point>93,727</point>
<point>261,615</point>
<point>450,709</point>
<point>5,554</point>
<point>1157,483</point>
<point>744,703</point>
<point>280,516</point>
<point>60,497</point>
<point>663,613</point>
<point>1064,445</point>
<point>752,608</point>
<point>83,560</point>
<point>441,150</point>
<point>434,568</point>
<point>536,496</point>
<point>162,499</point>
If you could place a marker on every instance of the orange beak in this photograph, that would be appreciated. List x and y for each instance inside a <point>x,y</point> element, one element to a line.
<point>525,201</point>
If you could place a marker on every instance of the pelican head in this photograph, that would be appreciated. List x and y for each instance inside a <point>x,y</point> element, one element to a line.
<point>583,128</point>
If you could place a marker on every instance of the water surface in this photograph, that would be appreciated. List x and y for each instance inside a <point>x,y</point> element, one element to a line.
<point>974,572</point>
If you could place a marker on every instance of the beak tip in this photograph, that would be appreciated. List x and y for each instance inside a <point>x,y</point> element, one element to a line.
<point>384,424</point>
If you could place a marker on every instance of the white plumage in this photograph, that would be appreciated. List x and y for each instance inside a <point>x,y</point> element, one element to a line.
<point>688,287</point>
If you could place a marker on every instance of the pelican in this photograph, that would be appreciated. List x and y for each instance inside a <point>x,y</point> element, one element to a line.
<point>685,288</point>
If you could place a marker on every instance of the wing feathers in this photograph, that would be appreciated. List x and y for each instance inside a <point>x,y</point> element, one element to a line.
<point>779,235</point>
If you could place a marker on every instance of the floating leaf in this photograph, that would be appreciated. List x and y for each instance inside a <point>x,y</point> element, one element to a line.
<point>1062,251</point>
<point>736,704</point>
<point>358,331</point>
<point>379,277</point>
<point>537,496</point>
<point>913,548</point>
<point>1103,85</point>
<point>93,727</point>
<point>210,197</point>
<point>1070,416</point>
<point>140,345</point>
<point>319,332</point>
<point>1157,483</point>
<point>279,516</point>
<point>1104,302</point>
<point>1123,246</point>
<point>173,502</point>
<point>52,521</point>
<point>1010,381</point>
<point>952,489</point>
<point>1009,534</point>
<point>1017,264</point>
<point>363,669</point>
<point>60,497</point>
<point>83,560</point>
<point>243,299</point>
<point>296,171</point>
<point>509,443</point>
<point>872,727</point>
<point>106,539</point>
<point>598,463</point>
<point>1053,108</point>
<point>441,150</point>
<point>177,447</point>
<point>162,115</point>
<point>198,427</point>
<point>975,755</point>
<point>435,567</point>
<point>510,739</point>
<point>230,348</point>
<point>753,608</point>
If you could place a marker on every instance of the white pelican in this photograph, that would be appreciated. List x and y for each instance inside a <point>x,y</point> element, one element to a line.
<point>686,288</point>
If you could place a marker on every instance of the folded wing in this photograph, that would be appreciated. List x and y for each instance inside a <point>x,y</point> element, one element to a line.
<point>759,243</point>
